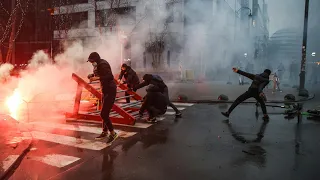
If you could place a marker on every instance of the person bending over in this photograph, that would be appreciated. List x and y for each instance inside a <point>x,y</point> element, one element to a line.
<point>154,102</point>
<point>131,78</point>
<point>157,81</point>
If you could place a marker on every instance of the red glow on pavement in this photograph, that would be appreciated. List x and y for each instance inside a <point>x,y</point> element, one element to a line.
<point>14,103</point>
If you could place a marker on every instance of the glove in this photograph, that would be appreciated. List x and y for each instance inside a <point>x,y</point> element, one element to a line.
<point>235,70</point>
<point>90,76</point>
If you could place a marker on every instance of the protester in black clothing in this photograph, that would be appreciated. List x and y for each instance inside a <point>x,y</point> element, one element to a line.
<point>131,78</point>
<point>103,72</point>
<point>157,81</point>
<point>154,102</point>
<point>260,81</point>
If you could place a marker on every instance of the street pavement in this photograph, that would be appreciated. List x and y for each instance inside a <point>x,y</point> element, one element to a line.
<point>58,146</point>
<point>14,141</point>
<point>212,90</point>
<point>199,145</point>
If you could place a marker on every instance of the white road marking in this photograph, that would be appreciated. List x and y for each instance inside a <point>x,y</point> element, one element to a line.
<point>180,109</point>
<point>170,113</point>
<point>70,141</point>
<point>57,160</point>
<point>175,103</point>
<point>94,130</point>
<point>9,161</point>
<point>183,104</point>
<point>137,124</point>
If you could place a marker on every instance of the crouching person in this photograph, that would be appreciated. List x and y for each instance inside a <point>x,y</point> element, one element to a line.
<point>154,102</point>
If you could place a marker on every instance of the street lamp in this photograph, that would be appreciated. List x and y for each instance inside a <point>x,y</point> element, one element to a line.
<point>235,21</point>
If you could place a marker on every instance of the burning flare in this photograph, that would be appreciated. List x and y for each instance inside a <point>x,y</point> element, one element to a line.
<point>13,103</point>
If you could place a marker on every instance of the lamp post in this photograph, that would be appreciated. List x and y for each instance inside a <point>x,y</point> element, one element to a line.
<point>302,91</point>
<point>237,12</point>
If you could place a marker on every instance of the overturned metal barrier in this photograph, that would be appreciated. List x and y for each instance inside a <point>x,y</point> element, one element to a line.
<point>125,113</point>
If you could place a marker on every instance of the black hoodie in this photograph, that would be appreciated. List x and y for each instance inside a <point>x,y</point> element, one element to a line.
<point>153,79</point>
<point>155,98</point>
<point>103,71</point>
<point>259,81</point>
<point>130,76</point>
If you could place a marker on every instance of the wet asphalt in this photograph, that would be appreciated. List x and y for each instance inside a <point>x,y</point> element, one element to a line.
<point>201,145</point>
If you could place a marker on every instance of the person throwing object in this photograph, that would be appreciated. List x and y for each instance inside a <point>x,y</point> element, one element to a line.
<point>259,82</point>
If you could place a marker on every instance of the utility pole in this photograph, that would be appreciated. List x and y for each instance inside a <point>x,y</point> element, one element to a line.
<point>302,91</point>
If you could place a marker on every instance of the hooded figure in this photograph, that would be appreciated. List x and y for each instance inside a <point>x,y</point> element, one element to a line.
<point>259,82</point>
<point>154,102</point>
<point>157,81</point>
<point>131,78</point>
<point>103,72</point>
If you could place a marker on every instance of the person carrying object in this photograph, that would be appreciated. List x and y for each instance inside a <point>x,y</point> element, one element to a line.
<point>157,81</point>
<point>154,102</point>
<point>259,82</point>
<point>103,72</point>
<point>131,78</point>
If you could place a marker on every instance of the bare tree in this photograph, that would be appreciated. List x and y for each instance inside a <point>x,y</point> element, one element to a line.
<point>160,35</point>
<point>12,16</point>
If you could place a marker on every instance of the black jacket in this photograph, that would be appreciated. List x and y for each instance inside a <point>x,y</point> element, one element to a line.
<point>259,81</point>
<point>103,70</point>
<point>154,80</point>
<point>130,76</point>
<point>155,98</point>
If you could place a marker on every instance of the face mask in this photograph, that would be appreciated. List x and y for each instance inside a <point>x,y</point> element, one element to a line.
<point>94,64</point>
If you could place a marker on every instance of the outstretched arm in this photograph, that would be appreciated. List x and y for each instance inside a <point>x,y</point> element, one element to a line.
<point>248,75</point>
<point>141,85</point>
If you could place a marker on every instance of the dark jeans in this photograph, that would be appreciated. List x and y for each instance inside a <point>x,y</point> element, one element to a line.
<point>128,98</point>
<point>249,94</point>
<point>166,94</point>
<point>107,103</point>
<point>154,112</point>
<point>127,94</point>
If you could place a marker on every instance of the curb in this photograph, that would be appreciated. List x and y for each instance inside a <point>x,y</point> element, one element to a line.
<point>10,170</point>
<point>245,102</point>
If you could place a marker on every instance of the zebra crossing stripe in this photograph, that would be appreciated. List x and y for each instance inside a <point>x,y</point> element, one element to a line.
<point>175,103</point>
<point>94,130</point>
<point>180,109</point>
<point>170,113</point>
<point>57,160</point>
<point>183,104</point>
<point>136,125</point>
<point>70,141</point>
<point>6,163</point>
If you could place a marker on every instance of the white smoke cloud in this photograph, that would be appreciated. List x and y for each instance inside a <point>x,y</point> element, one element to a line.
<point>208,46</point>
<point>5,70</point>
